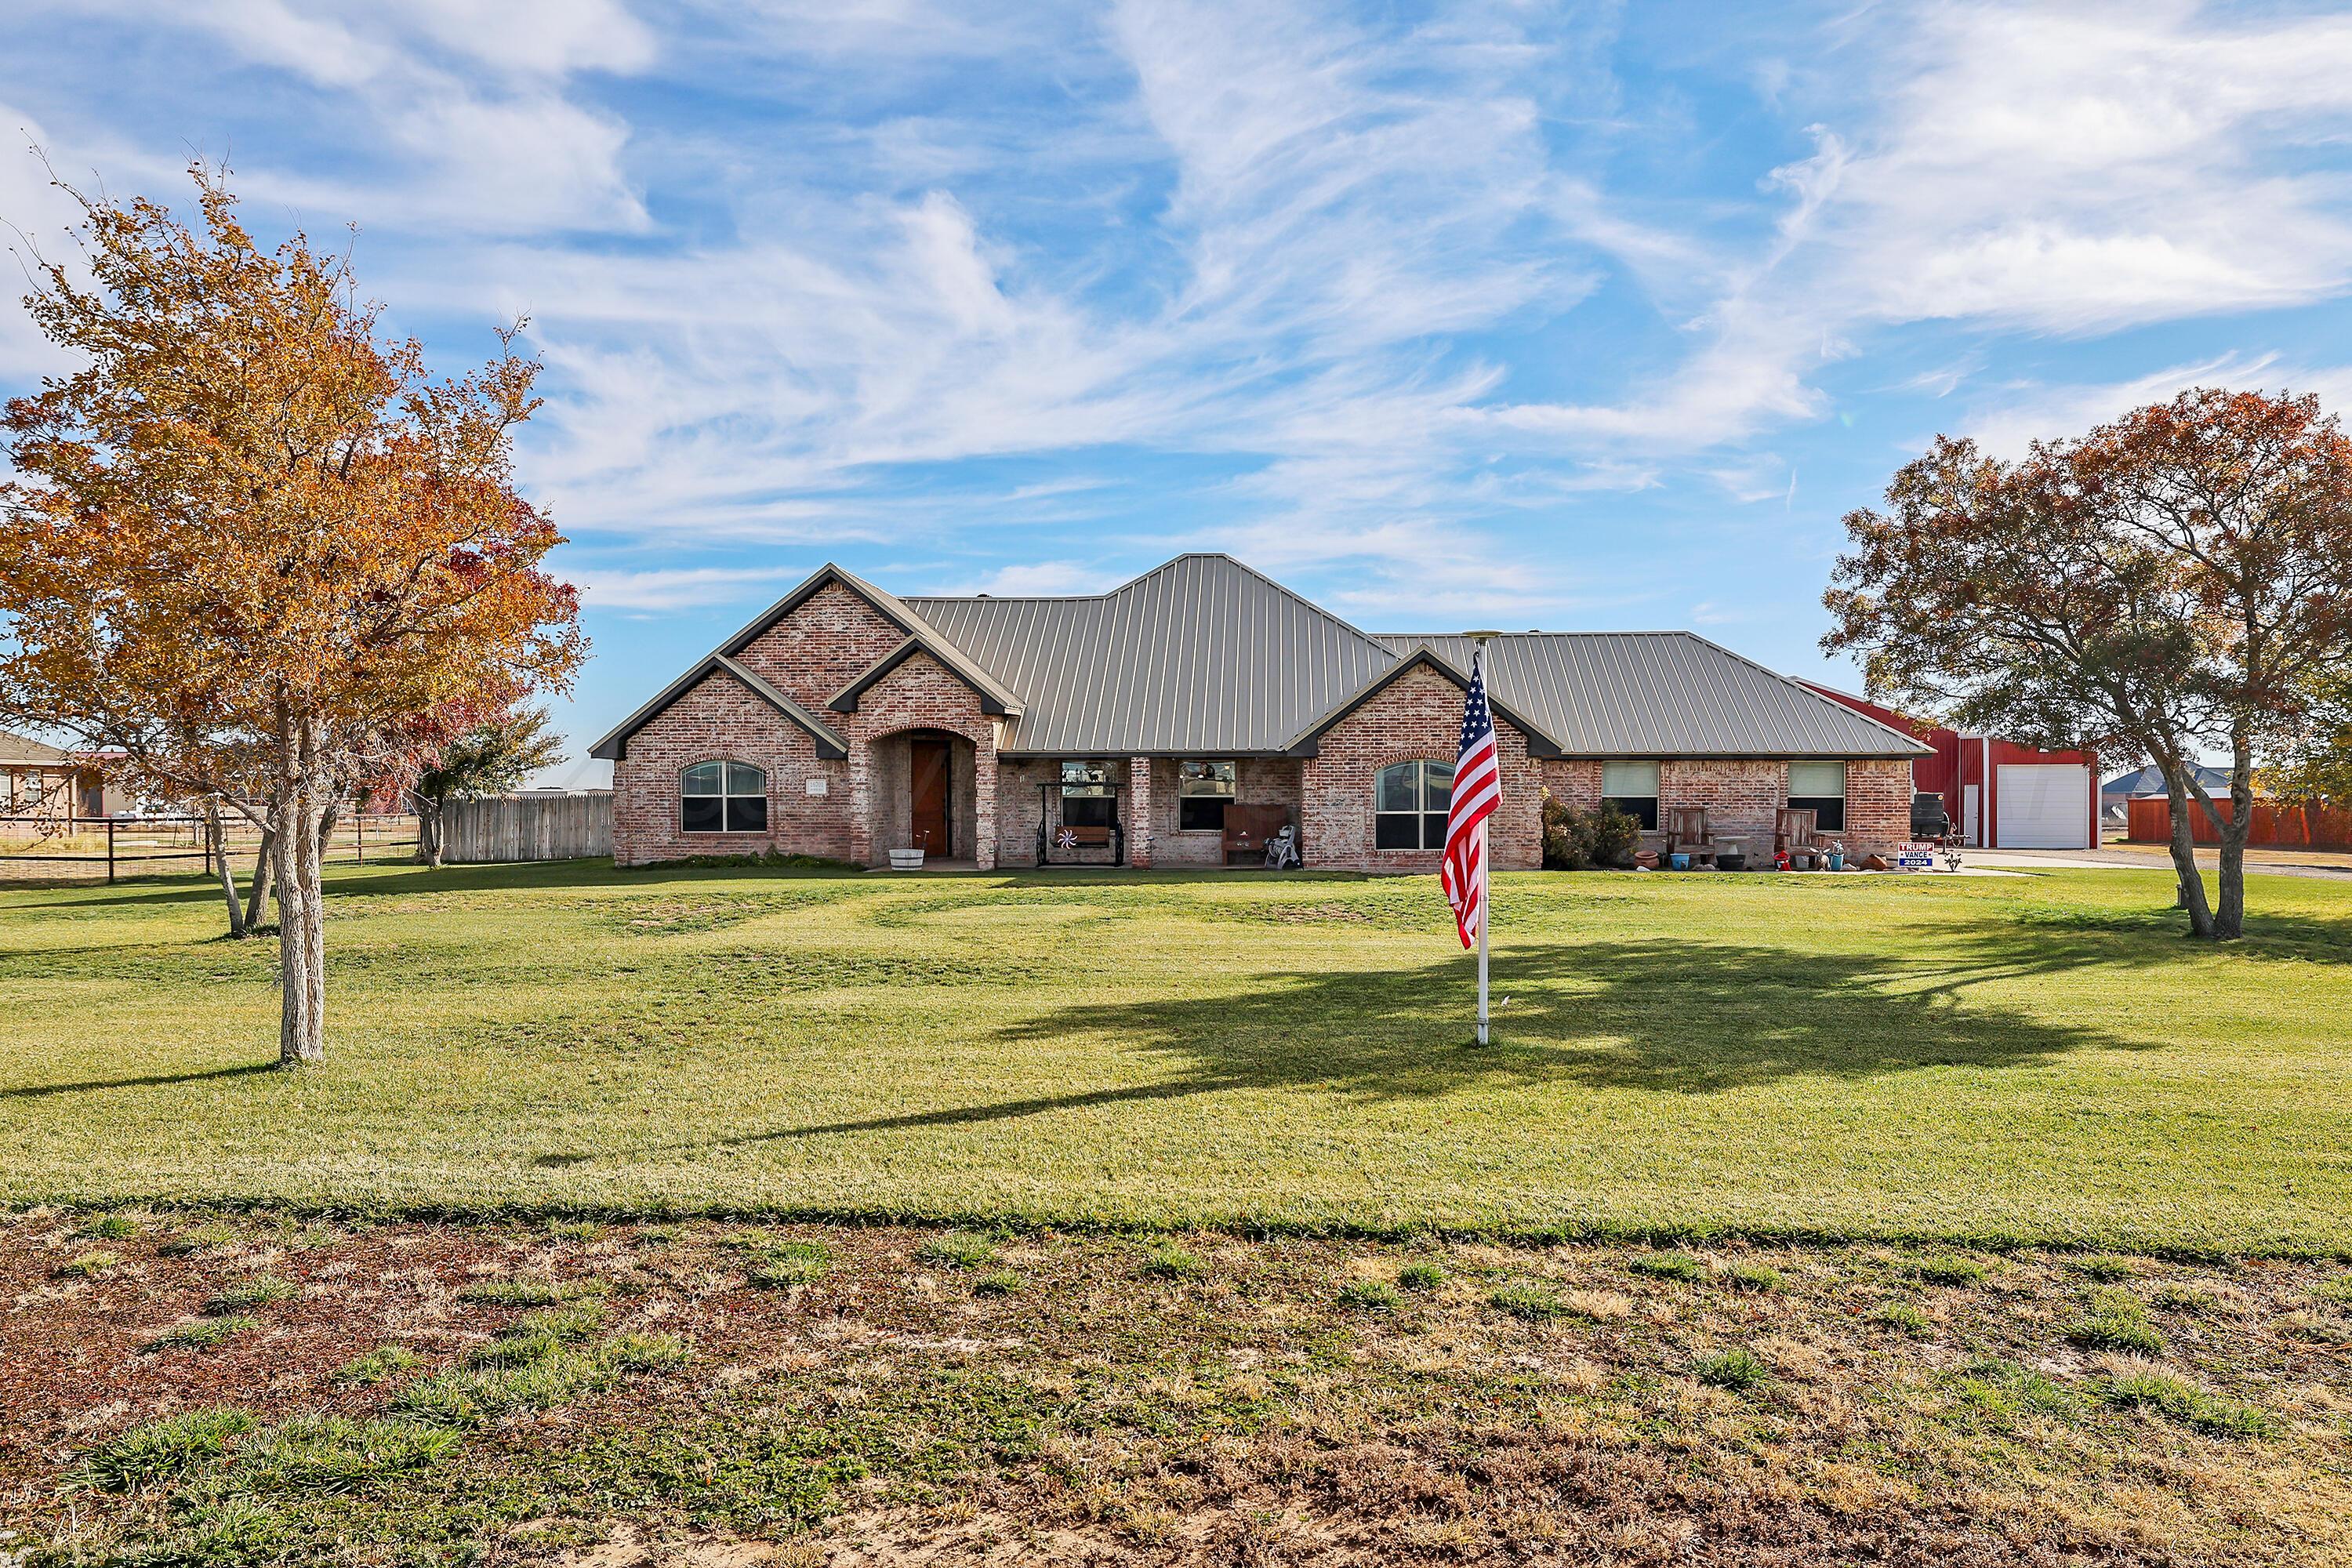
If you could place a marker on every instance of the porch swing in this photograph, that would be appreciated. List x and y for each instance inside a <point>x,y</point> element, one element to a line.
<point>1078,818</point>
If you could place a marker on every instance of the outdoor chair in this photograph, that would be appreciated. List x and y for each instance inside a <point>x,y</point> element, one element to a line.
<point>1687,833</point>
<point>1793,835</point>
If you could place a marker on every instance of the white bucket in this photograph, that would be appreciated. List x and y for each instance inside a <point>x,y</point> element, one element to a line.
<point>906,860</point>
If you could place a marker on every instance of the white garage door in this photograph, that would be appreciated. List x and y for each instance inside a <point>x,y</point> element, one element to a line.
<point>2043,806</point>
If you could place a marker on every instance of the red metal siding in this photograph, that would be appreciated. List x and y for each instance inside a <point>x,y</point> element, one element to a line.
<point>1960,761</point>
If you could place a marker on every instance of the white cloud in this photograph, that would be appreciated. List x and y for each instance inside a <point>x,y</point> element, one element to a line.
<point>674,588</point>
<point>1046,579</point>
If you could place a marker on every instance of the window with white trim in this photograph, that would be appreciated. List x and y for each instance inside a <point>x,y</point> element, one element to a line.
<point>1631,788</point>
<point>723,797</point>
<point>1204,790</point>
<point>1409,802</point>
<point>1820,787</point>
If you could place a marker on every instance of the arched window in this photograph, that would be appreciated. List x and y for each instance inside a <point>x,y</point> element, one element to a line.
<point>723,797</point>
<point>1409,802</point>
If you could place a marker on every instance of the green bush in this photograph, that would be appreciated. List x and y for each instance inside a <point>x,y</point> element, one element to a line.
<point>1579,839</point>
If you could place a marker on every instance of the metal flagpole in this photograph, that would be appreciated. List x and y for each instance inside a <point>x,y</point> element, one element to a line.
<point>1486,867</point>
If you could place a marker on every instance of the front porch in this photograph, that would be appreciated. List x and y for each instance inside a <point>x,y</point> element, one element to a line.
<point>1145,811</point>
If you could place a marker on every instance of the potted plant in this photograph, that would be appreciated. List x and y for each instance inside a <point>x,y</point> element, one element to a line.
<point>911,860</point>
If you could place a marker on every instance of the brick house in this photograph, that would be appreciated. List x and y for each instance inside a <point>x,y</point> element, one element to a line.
<point>845,721</point>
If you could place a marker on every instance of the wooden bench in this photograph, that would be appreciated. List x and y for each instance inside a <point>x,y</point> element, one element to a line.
<point>1247,828</point>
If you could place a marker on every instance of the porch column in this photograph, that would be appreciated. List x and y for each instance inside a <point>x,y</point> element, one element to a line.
<point>985,786</point>
<point>1139,816</point>
<point>861,799</point>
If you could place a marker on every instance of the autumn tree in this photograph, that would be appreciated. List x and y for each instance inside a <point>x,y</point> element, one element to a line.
<point>2175,583</point>
<point>250,538</point>
<point>487,757</point>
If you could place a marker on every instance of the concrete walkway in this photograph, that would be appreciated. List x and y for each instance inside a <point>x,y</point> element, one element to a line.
<point>2327,863</point>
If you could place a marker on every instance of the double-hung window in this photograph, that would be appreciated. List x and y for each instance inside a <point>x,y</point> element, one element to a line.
<point>1821,788</point>
<point>1409,802</point>
<point>1631,788</point>
<point>1204,790</point>
<point>723,797</point>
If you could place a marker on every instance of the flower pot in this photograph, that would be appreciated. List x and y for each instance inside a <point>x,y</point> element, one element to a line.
<point>1837,862</point>
<point>1731,862</point>
<point>1681,862</point>
<point>906,860</point>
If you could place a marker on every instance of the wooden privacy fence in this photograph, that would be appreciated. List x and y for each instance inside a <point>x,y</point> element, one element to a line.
<point>2274,825</point>
<point>527,827</point>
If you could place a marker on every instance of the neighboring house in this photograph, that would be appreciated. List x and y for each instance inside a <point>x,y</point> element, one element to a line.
<point>2001,795</point>
<point>2117,795</point>
<point>38,780</point>
<point>845,721</point>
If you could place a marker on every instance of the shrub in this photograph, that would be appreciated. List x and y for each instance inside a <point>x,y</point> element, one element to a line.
<point>533,1292</point>
<point>2192,1407</point>
<point>203,1335</point>
<point>1003,1282</point>
<point>1906,1317</point>
<point>254,1290</point>
<point>88,1266</point>
<point>2116,1321</point>
<point>785,1264</point>
<point>1525,1299</point>
<point>1422,1276</point>
<point>1759,1278</point>
<point>1735,1369</point>
<point>1668,1266</point>
<point>1578,839</point>
<point>376,1366</point>
<point>108,1227</point>
<point>1950,1270</point>
<point>959,1249</point>
<point>158,1450</point>
<point>1371,1295</point>
<point>1170,1261</point>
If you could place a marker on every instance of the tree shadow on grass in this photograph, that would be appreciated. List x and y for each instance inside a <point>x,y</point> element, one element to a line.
<point>150,1080</point>
<point>1660,1016</point>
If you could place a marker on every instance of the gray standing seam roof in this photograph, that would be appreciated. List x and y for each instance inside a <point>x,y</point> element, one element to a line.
<point>1204,657</point>
<point>1201,656</point>
<point>1663,694</point>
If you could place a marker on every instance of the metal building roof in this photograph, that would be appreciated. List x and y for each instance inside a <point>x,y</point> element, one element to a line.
<point>1201,656</point>
<point>1663,694</point>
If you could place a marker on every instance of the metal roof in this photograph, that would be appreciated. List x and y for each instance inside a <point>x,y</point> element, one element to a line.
<point>1202,657</point>
<point>1663,694</point>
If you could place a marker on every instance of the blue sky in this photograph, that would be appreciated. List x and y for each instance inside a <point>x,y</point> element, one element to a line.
<point>1579,317</point>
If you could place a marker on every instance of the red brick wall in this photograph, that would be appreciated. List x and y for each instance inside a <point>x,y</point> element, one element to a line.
<point>1741,796</point>
<point>821,646</point>
<point>1877,805</point>
<point>720,719</point>
<point>1257,781</point>
<point>920,694</point>
<point>1420,715</point>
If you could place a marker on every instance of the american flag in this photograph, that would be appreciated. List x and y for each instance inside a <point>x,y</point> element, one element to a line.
<point>1477,789</point>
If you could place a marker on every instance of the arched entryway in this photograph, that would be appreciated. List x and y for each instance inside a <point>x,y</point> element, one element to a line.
<point>926,793</point>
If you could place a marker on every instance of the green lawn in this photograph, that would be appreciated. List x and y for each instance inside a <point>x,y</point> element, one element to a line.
<point>2033,1059</point>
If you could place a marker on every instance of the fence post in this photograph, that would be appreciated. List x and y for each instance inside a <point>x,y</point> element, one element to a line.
<point>359,832</point>
<point>109,851</point>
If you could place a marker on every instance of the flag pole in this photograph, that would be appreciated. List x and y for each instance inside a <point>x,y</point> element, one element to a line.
<point>1486,865</point>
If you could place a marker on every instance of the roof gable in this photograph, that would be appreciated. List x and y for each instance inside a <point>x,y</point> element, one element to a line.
<point>615,745</point>
<point>1422,657</point>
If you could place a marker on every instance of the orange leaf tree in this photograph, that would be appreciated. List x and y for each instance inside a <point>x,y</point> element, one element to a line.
<point>2176,583</point>
<point>255,547</point>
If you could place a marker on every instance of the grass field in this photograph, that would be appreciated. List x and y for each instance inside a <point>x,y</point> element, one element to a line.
<point>2037,1060</point>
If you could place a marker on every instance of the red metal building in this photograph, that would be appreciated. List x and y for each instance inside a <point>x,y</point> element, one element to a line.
<point>2003,796</point>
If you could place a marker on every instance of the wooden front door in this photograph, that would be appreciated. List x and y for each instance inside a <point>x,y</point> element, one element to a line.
<point>927,772</point>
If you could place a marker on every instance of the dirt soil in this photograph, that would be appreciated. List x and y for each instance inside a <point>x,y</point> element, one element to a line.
<point>900,1396</point>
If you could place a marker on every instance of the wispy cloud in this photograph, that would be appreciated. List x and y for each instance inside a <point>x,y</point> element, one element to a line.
<point>677,588</point>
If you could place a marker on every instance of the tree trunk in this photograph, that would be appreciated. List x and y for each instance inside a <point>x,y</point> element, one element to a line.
<point>428,828</point>
<point>265,864</point>
<point>217,841</point>
<point>2230,917</point>
<point>2184,852</point>
<point>302,919</point>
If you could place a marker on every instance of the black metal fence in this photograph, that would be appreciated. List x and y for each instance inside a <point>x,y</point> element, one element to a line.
<point>109,848</point>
